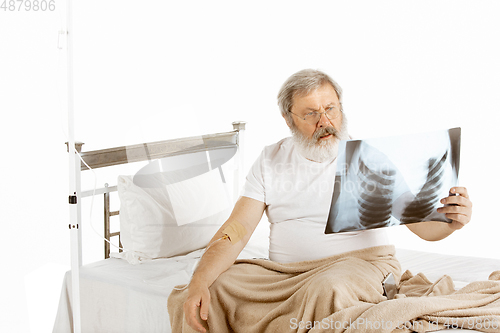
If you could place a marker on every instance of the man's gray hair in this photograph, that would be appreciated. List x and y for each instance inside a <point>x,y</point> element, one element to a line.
<point>300,84</point>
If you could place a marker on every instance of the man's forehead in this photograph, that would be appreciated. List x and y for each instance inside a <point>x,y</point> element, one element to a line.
<point>320,97</point>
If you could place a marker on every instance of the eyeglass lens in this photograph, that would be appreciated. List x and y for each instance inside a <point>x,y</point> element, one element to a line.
<point>314,117</point>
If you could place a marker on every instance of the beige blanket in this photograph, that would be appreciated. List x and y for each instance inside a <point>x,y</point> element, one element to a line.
<point>342,293</point>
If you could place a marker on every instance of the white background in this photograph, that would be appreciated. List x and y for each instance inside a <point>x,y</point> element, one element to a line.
<point>155,70</point>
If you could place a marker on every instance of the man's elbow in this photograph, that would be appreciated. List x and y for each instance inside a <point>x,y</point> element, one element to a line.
<point>430,231</point>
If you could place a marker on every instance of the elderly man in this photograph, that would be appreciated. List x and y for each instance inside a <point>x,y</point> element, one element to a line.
<point>292,181</point>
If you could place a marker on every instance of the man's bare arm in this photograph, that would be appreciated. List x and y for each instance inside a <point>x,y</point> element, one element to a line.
<point>459,210</point>
<point>218,258</point>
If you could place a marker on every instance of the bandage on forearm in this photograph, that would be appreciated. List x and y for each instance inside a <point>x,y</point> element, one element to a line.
<point>235,231</point>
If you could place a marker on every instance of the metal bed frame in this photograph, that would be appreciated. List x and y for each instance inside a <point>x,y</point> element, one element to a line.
<point>151,151</point>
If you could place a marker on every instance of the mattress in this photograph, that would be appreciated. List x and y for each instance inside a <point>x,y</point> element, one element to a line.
<point>119,297</point>
<point>461,269</point>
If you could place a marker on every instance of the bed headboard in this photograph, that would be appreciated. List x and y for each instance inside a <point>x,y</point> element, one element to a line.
<point>157,150</point>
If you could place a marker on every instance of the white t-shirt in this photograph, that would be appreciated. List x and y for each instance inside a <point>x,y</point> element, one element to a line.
<point>297,193</point>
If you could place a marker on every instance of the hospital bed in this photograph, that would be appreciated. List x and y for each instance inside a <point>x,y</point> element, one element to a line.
<point>127,291</point>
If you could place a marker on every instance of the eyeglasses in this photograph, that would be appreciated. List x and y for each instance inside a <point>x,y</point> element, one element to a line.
<point>313,117</point>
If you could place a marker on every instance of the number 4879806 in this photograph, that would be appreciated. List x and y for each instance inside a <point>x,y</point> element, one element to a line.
<point>28,5</point>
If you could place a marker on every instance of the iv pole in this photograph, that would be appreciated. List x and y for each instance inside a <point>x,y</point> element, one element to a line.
<point>74,178</point>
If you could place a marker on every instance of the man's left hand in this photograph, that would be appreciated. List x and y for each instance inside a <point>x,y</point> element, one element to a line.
<point>458,207</point>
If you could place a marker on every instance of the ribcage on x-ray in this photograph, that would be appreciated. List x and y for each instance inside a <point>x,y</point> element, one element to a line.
<point>375,201</point>
<point>426,199</point>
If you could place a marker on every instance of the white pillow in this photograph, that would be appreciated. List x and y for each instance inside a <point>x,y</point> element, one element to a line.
<point>170,219</point>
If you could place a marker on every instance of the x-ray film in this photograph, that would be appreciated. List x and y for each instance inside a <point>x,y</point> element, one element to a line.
<point>389,181</point>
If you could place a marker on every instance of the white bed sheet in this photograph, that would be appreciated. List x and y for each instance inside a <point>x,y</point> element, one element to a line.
<point>461,269</point>
<point>119,297</point>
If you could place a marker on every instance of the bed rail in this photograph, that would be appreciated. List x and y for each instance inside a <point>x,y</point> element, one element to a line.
<point>107,223</point>
<point>151,151</point>
<point>160,149</point>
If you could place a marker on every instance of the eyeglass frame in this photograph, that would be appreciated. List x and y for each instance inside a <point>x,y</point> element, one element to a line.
<point>320,114</point>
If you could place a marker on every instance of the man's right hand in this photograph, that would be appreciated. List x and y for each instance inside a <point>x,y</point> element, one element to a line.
<point>217,259</point>
<point>198,297</point>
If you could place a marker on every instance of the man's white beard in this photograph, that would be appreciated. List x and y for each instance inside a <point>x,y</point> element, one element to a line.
<point>319,150</point>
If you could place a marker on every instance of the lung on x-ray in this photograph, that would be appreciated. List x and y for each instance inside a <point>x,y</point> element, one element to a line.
<point>382,182</point>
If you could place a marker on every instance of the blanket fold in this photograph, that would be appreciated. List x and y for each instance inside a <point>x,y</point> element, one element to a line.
<point>342,293</point>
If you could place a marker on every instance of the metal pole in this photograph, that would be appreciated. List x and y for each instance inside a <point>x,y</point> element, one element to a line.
<point>74,179</point>
<point>240,159</point>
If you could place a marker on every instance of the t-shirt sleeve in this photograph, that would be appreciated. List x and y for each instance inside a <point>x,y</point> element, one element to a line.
<point>254,185</point>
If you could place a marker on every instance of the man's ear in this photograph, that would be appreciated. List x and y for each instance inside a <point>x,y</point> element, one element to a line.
<point>287,120</point>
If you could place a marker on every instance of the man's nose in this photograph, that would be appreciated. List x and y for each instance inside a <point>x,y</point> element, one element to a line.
<point>323,120</point>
